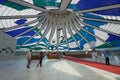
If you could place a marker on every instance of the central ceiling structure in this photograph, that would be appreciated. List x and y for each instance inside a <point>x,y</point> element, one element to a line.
<point>61,24</point>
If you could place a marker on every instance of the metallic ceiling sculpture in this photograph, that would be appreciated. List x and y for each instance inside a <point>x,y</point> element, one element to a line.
<point>61,24</point>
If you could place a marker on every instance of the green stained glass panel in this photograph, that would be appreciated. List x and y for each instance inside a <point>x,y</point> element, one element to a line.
<point>14,5</point>
<point>43,3</point>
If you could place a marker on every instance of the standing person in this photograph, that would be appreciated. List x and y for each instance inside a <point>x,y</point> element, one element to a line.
<point>29,56</point>
<point>63,54</point>
<point>60,55</point>
<point>40,59</point>
<point>94,55</point>
<point>106,54</point>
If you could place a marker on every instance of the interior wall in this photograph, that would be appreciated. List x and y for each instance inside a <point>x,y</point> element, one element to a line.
<point>7,45</point>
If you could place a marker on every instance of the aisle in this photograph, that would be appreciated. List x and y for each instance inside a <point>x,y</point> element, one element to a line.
<point>110,68</point>
<point>52,70</point>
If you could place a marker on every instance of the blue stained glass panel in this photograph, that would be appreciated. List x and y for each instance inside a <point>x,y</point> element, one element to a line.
<point>21,21</point>
<point>112,38</point>
<point>14,33</point>
<point>83,5</point>
<point>2,1</point>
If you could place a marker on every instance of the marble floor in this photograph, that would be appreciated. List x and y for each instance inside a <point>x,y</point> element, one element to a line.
<point>15,69</point>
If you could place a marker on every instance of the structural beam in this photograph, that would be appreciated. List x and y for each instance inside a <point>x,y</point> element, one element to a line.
<point>95,27</point>
<point>64,4</point>
<point>44,34</point>
<point>58,25</point>
<point>42,27</point>
<point>76,30</point>
<point>58,36</point>
<point>101,20</point>
<point>18,26</point>
<point>96,37</point>
<point>18,16</point>
<point>37,25</point>
<point>79,25</point>
<point>99,8</point>
<point>63,24</point>
<point>52,29</point>
<point>71,33</point>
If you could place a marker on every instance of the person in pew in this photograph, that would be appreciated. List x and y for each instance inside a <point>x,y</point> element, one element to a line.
<point>40,59</point>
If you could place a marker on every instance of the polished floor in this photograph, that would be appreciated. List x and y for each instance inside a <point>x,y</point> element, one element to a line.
<point>15,69</point>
